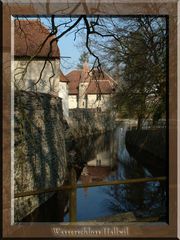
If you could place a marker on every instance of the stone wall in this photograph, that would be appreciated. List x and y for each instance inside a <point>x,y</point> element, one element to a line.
<point>86,122</point>
<point>39,148</point>
<point>149,147</point>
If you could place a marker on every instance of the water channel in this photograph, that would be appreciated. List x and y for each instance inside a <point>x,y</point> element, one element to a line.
<point>105,158</point>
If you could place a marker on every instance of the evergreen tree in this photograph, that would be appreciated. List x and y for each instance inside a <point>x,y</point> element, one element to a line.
<point>83,57</point>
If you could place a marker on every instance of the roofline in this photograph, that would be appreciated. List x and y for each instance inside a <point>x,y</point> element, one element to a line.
<point>111,77</point>
<point>62,74</point>
<point>18,57</point>
<point>91,71</point>
<point>72,71</point>
<point>46,28</point>
<point>64,81</point>
<point>72,93</point>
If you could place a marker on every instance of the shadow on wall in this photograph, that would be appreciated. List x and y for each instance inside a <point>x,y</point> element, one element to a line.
<point>86,122</point>
<point>40,156</point>
<point>149,147</point>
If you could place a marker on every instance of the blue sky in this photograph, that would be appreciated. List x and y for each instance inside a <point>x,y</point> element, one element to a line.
<point>68,47</point>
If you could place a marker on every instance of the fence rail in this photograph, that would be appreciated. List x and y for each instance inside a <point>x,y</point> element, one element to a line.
<point>94,184</point>
<point>73,186</point>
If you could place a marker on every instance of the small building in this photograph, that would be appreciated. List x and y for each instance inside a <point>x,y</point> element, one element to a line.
<point>36,64</point>
<point>94,174</point>
<point>90,90</point>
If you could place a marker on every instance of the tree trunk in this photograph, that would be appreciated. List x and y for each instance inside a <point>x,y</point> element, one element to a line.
<point>139,125</point>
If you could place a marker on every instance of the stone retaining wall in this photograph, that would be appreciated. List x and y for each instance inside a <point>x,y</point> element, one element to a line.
<point>39,153</point>
<point>84,122</point>
<point>149,147</point>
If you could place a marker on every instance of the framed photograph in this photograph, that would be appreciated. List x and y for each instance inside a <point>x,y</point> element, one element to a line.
<point>90,119</point>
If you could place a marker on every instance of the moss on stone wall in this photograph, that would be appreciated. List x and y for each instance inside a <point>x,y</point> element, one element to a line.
<point>84,122</point>
<point>39,148</point>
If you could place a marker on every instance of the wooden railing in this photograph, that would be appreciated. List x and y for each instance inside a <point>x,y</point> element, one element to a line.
<point>73,186</point>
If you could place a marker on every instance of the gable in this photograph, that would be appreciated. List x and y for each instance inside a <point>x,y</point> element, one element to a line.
<point>101,83</point>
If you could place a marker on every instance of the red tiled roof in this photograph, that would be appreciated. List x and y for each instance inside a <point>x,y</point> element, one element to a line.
<point>29,36</point>
<point>101,86</point>
<point>99,171</point>
<point>63,78</point>
<point>74,78</point>
<point>98,83</point>
<point>96,75</point>
<point>95,173</point>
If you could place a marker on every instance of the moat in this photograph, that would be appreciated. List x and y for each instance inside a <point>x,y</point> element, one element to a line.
<point>105,158</point>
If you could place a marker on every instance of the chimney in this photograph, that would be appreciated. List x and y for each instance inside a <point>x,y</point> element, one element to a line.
<point>85,70</point>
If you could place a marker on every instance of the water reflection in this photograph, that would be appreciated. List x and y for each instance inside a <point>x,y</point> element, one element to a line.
<point>144,200</point>
<point>105,157</point>
<point>111,161</point>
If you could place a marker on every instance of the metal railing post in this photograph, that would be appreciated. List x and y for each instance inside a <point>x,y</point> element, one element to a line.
<point>72,196</point>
